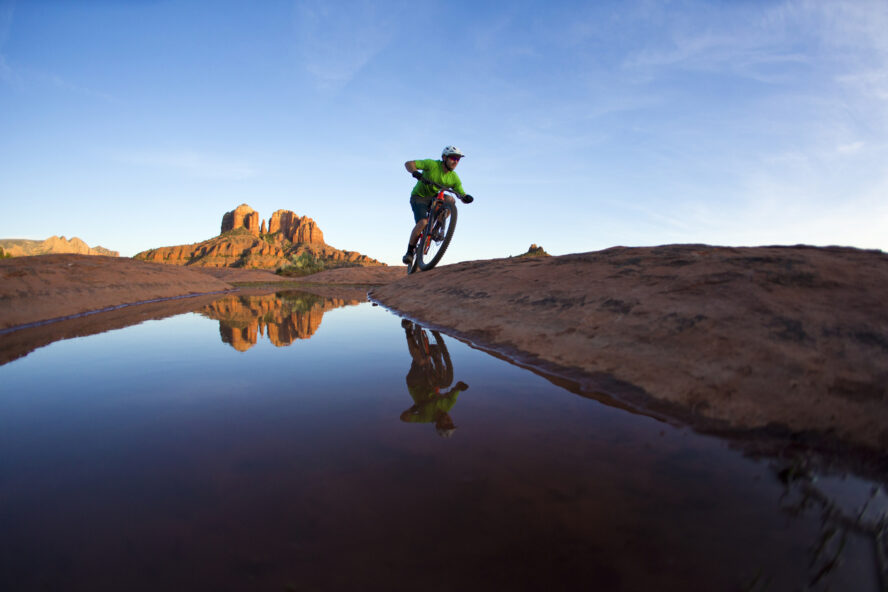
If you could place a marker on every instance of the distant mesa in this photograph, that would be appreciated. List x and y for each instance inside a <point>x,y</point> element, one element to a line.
<point>285,242</point>
<point>20,247</point>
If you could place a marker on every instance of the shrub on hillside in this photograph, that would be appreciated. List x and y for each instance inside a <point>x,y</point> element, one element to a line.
<point>308,263</point>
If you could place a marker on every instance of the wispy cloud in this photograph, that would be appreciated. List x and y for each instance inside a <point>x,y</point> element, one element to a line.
<point>62,84</point>
<point>18,77</point>
<point>852,148</point>
<point>7,9</point>
<point>747,43</point>
<point>337,40</point>
<point>7,75</point>
<point>195,164</point>
<point>772,44</point>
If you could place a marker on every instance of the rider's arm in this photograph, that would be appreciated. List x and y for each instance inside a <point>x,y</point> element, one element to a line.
<point>413,169</point>
<point>459,188</point>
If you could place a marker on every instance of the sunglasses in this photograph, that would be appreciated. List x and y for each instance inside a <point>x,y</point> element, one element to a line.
<point>454,157</point>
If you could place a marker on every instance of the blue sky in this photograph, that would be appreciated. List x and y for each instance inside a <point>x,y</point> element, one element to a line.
<point>586,124</point>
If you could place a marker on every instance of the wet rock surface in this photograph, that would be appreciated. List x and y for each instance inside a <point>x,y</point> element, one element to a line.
<point>791,341</point>
<point>43,287</point>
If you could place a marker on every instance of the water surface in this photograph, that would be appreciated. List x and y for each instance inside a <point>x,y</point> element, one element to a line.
<point>288,441</point>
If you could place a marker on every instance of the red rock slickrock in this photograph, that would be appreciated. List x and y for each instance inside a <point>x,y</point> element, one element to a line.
<point>743,338</point>
<point>50,286</point>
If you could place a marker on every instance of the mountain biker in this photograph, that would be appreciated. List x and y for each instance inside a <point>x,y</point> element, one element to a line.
<point>441,172</point>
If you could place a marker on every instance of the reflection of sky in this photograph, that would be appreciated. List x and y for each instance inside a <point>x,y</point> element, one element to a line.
<point>166,411</point>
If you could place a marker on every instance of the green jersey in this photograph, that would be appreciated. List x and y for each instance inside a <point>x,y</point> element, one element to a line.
<point>426,411</point>
<point>434,170</point>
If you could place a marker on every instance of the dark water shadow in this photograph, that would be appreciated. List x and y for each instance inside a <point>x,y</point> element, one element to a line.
<point>844,486</point>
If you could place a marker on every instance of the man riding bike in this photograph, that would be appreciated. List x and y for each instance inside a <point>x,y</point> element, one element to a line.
<point>441,172</point>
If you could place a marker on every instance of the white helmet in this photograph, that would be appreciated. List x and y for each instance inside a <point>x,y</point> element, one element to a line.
<point>450,151</point>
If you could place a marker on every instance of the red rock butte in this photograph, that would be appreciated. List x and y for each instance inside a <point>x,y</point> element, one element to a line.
<point>250,242</point>
<point>243,216</point>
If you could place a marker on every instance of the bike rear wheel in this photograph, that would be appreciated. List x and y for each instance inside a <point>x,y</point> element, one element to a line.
<point>436,237</point>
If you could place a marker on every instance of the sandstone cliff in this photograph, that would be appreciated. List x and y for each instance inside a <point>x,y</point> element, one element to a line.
<point>243,216</point>
<point>246,241</point>
<point>54,244</point>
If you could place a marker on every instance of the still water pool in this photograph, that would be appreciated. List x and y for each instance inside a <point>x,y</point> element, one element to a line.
<point>287,441</point>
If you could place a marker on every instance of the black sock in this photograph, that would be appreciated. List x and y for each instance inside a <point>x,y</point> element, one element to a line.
<point>411,249</point>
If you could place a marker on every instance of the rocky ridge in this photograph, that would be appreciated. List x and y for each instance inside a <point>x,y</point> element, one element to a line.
<point>246,241</point>
<point>19,247</point>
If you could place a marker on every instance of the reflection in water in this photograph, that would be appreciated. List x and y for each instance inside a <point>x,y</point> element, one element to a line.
<point>848,510</point>
<point>430,371</point>
<point>113,475</point>
<point>283,316</point>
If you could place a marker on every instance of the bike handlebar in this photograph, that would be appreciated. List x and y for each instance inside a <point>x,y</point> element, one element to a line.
<point>463,198</point>
<point>433,184</point>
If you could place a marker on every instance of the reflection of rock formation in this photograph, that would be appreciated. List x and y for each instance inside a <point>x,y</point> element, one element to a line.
<point>284,317</point>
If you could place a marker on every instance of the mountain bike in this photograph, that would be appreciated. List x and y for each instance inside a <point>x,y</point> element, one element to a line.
<point>433,358</point>
<point>439,229</point>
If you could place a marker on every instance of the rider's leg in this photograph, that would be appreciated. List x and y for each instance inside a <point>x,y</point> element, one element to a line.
<point>417,230</point>
<point>420,212</point>
<point>411,245</point>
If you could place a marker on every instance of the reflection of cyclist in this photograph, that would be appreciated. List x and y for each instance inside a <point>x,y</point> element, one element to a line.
<point>430,371</point>
<point>441,172</point>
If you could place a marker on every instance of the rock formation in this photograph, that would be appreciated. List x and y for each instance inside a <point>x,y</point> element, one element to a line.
<point>535,251</point>
<point>294,228</point>
<point>247,242</point>
<point>54,244</point>
<point>243,216</point>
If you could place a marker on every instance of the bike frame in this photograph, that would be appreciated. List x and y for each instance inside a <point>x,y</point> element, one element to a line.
<point>434,210</point>
<point>430,233</point>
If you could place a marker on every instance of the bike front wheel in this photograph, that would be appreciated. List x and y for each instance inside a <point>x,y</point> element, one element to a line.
<point>436,237</point>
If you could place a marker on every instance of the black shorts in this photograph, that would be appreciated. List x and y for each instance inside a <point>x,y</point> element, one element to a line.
<point>420,208</point>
